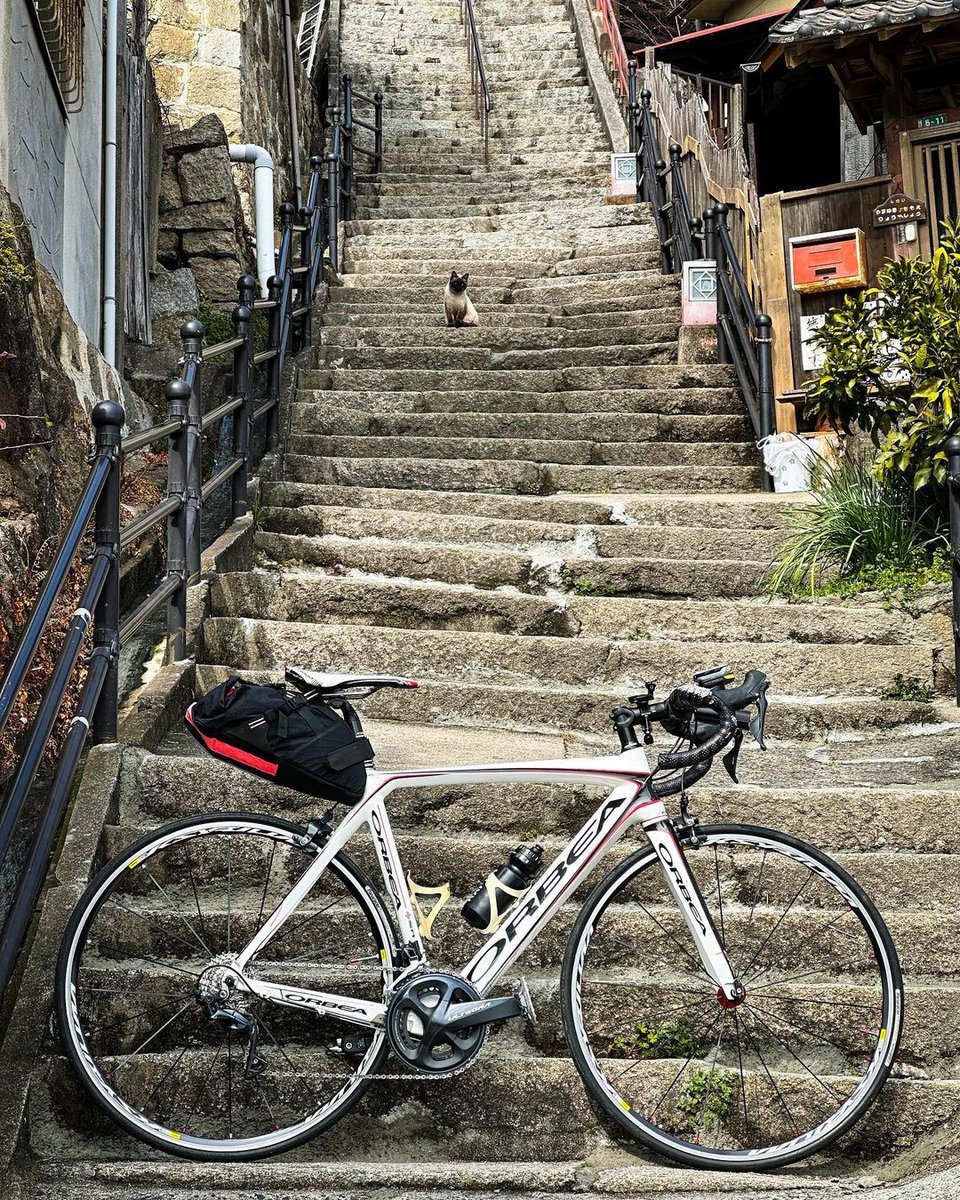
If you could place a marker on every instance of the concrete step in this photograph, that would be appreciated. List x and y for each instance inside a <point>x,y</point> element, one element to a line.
<point>572,662</point>
<point>526,478</point>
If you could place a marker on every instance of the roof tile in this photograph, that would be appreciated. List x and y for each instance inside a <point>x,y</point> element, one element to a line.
<point>838,17</point>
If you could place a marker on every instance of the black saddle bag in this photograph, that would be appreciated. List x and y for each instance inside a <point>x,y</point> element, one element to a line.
<point>298,743</point>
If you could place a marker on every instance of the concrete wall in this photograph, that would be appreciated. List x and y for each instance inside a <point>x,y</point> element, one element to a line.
<point>51,162</point>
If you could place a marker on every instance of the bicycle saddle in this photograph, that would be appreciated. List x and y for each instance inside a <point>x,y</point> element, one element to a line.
<point>327,685</point>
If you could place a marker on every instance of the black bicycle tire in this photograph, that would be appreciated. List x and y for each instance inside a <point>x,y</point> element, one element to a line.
<point>634,1126</point>
<point>342,864</point>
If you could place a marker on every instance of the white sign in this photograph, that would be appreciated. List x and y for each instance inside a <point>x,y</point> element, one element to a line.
<point>812,355</point>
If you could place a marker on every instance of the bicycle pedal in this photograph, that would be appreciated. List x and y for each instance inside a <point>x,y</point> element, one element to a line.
<point>522,992</point>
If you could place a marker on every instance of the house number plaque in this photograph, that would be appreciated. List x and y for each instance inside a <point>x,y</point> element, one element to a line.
<point>898,210</point>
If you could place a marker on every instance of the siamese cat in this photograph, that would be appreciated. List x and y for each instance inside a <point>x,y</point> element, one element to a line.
<point>457,305</point>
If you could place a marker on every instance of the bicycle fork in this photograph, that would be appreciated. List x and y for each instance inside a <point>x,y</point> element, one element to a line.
<point>690,901</point>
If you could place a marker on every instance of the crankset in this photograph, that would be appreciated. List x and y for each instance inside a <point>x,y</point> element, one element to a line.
<point>436,1023</point>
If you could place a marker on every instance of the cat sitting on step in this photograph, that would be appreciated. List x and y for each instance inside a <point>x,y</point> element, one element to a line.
<point>457,304</point>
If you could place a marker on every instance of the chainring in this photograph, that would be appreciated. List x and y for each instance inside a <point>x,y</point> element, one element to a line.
<point>417,1023</point>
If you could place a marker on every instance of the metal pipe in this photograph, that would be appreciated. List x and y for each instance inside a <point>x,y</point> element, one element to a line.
<point>952,448</point>
<point>378,132</point>
<point>22,657</point>
<point>346,181</point>
<point>178,399</point>
<point>723,351</point>
<point>31,881</point>
<point>191,334</point>
<point>291,67</point>
<point>765,403</point>
<point>242,369</point>
<point>633,107</point>
<point>263,206</point>
<point>108,419</point>
<point>113,13</point>
<point>52,700</point>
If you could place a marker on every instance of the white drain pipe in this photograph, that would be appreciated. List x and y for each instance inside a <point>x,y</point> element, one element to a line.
<point>262,207</point>
<point>108,280</point>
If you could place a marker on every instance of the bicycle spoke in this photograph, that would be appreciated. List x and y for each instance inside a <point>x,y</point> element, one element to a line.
<point>780,920</point>
<point>156,1033</point>
<point>810,1071</point>
<point>176,911</point>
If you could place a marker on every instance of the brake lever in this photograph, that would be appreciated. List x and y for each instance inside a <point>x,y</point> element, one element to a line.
<point>757,722</point>
<point>729,760</point>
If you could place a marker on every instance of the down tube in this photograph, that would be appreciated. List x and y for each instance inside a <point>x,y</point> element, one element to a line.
<point>620,810</point>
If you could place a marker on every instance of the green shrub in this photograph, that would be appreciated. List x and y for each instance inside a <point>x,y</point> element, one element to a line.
<point>12,271</point>
<point>860,532</point>
<point>892,363</point>
<point>909,687</point>
<point>707,1098</point>
<point>673,1039</point>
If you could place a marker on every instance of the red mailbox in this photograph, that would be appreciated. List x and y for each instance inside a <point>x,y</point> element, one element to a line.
<point>829,262</point>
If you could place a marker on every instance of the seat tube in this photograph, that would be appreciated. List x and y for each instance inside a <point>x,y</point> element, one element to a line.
<point>689,899</point>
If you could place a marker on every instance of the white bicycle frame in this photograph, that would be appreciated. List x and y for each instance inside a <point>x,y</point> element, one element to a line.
<point>628,803</point>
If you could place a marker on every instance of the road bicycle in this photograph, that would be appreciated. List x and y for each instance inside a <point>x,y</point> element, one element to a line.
<point>231,984</point>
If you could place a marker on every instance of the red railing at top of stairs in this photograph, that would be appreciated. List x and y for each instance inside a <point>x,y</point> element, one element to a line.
<point>611,28</point>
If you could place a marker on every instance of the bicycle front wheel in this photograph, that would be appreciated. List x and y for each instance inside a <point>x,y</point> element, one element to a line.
<point>760,1084</point>
<point>252,1078</point>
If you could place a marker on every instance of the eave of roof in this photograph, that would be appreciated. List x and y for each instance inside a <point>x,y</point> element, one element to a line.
<point>686,38</point>
<point>839,18</point>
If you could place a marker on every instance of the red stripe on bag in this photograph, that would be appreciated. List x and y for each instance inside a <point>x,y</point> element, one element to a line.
<point>225,750</point>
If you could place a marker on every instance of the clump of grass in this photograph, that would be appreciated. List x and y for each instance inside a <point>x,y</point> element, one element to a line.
<point>707,1098</point>
<point>582,586</point>
<point>909,688</point>
<point>859,534</point>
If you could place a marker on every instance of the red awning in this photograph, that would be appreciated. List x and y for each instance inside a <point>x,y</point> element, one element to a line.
<point>763,18</point>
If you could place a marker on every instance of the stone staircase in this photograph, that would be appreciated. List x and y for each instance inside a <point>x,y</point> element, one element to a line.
<point>533,517</point>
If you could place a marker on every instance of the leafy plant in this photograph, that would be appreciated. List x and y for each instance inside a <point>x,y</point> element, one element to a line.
<point>582,586</point>
<point>673,1039</point>
<point>858,529</point>
<point>12,271</point>
<point>892,363</point>
<point>707,1098</point>
<point>909,687</point>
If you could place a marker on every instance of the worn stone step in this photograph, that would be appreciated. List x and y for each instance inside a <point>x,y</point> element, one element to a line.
<point>333,421</point>
<point>443,357</point>
<point>557,218</point>
<point>446,655</point>
<point>551,450</point>
<point>565,379</point>
<point>522,477</point>
<point>545,566</point>
<point>312,596</point>
<point>556,551</point>
<point>558,1117</point>
<point>732,513</point>
<point>499,336</point>
<point>678,401</point>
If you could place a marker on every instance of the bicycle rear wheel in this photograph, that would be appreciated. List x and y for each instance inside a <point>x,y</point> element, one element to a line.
<point>762,1084</point>
<point>128,991</point>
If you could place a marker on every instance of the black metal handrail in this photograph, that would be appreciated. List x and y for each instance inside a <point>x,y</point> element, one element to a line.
<point>286,313</point>
<point>952,449</point>
<point>743,335</point>
<point>479,84</point>
<point>345,140</point>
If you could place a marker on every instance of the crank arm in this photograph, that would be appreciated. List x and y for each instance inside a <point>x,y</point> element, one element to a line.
<point>482,1012</point>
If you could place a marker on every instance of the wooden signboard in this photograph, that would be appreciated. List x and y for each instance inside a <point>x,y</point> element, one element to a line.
<point>899,209</point>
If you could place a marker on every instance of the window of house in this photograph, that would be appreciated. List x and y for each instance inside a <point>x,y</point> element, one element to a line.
<point>60,24</point>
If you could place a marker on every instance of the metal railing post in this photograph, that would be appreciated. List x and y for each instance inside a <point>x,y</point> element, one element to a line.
<point>952,448</point>
<point>191,333</point>
<point>277,317</point>
<point>346,183</point>
<point>633,108</point>
<point>720,255</point>
<point>178,403</point>
<point>333,192</point>
<point>765,404</point>
<point>108,418</point>
<point>378,132</point>
<point>710,233</point>
<point>243,417</point>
